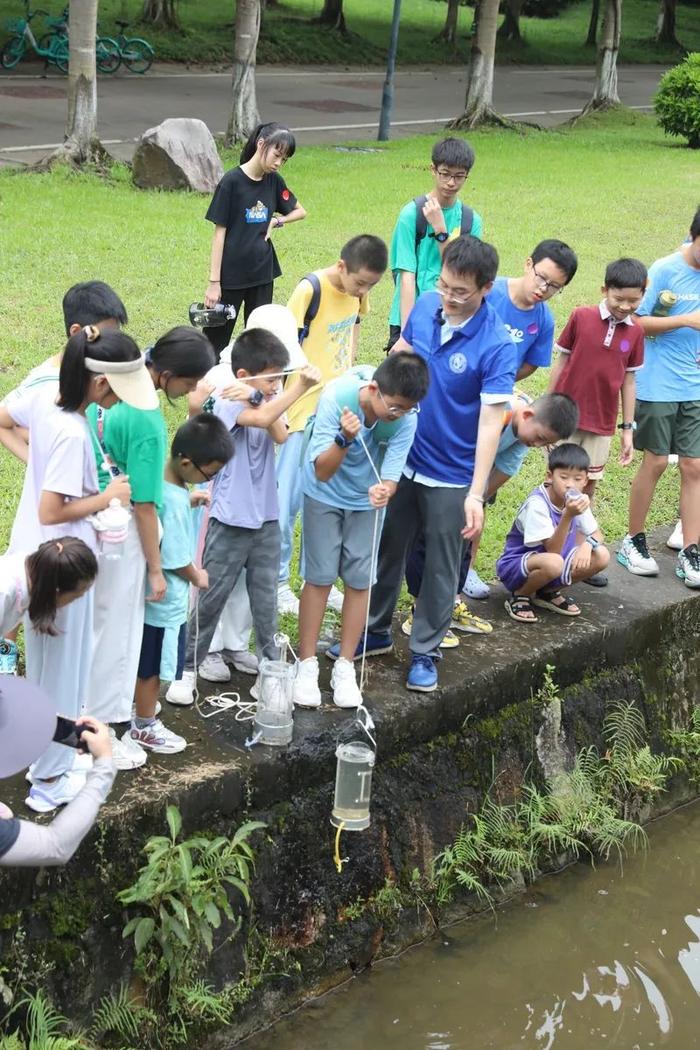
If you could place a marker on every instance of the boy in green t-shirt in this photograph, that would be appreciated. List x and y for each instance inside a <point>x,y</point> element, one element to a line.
<point>418,241</point>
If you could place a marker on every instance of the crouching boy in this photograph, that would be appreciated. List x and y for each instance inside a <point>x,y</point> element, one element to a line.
<point>555,540</point>
<point>362,433</point>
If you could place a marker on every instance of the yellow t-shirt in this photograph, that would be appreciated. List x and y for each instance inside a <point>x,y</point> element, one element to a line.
<point>329,342</point>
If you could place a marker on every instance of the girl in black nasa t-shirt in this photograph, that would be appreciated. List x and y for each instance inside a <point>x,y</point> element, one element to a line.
<point>248,204</point>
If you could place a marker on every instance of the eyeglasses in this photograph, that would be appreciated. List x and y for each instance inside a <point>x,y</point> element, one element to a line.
<point>395,410</point>
<point>451,176</point>
<point>207,477</point>
<point>451,297</point>
<point>547,285</point>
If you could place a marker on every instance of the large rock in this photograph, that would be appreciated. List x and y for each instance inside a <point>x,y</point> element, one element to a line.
<point>179,154</point>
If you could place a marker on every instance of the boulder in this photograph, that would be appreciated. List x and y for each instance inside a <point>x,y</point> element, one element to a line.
<point>179,154</point>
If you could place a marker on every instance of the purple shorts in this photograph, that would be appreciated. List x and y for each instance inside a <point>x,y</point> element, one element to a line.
<point>511,569</point>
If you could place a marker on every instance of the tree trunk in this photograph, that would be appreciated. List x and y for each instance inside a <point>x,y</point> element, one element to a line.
<point>448,33</point>
<point>510,29</point>
<point>605,92</point>
<point>332,15</point>
<point>160,13</point>
<point>593,24</point>
<point>244,110</point>
<point>479,103</point>
<point>666,25</point>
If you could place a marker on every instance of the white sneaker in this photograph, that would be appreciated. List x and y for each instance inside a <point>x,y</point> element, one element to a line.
<point>287,601</point>
<point>688,566</point>
<point>82,762</point>
<point>305,690</point>
<point>634,555</point>
<point>159,708</point>
<point>335,599</point>
<point>45,795</point>
<point>125,753</point>
<point>213,668</point>
<point>155,737</point>
<point>475,586</point>
<point>181,692</point>
<point>675,540</point>
<point>346,692</point>
<point>255,689</point>
<point>243,660</point>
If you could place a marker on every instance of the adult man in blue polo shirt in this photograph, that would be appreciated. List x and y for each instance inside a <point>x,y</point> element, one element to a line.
<point>472,364</point>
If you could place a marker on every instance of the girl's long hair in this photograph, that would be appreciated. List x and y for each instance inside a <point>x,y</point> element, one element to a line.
<point>109,346</point>
<point>272,134</point>
<point>55,568</point>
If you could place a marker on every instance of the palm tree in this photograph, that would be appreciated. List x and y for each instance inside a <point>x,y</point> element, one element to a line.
<point>244,110</point>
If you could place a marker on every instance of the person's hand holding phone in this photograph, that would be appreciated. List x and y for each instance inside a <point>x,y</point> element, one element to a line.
<point>94,736</point>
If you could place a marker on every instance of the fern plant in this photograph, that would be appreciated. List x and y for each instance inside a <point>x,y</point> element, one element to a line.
<point>635,775</point>
<point>184,891</point>
<point>45,1028</point>
<point>685,743</point>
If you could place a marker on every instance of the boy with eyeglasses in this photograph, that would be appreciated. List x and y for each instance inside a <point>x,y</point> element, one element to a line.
<point>425,226</point>
<point>472,361</point>
<point>521,303</point>
<point>362,432</point>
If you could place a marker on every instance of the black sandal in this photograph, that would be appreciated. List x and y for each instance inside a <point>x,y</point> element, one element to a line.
<point>556,602</point>
<point>518,604</point>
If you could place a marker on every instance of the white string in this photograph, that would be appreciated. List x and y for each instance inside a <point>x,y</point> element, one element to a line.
<point>218,702</point>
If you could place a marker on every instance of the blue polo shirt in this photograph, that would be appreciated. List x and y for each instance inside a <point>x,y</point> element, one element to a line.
<point>671,370</point>
<point>531,330</point>
<point>476,364</point>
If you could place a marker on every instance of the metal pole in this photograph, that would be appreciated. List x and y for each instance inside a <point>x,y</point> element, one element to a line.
<point>388,90</point>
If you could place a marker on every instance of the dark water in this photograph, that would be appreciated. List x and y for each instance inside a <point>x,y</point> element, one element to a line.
<point>587,958</point>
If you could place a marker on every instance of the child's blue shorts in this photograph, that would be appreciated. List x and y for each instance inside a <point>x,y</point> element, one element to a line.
<point>152,651</point>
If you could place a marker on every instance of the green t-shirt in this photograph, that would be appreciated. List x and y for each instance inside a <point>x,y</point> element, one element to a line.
<point>427,262</point>
<point>137,441</point>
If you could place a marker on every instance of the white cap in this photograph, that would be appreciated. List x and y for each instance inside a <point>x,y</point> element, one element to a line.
<point>281,322</point>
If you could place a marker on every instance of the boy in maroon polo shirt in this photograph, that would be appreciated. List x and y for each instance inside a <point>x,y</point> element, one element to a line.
<point>600,350</point>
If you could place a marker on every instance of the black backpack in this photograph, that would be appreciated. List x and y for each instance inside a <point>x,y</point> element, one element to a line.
<point>422,225</point>
<point>312,308</point>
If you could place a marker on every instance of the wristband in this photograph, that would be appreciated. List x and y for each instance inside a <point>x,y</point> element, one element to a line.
<point>278,224</point>
<point>594,543</point>
<point>215,280</point>
<point>473,495</point>
<point>626,426</point>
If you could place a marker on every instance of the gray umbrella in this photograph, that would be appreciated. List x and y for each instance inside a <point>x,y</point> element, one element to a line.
<point>27,723</point>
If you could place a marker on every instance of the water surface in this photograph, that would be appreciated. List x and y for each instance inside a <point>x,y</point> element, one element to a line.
<point>586,958</point>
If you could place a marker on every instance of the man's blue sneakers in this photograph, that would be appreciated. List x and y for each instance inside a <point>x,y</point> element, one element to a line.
<point>422,674</point>
<point>377,644</point>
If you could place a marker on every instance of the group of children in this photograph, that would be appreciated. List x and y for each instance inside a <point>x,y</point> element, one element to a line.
<point>390,469</point>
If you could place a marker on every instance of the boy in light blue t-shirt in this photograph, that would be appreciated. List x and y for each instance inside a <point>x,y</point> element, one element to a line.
<point>200,448</point>
<point>363,431</point>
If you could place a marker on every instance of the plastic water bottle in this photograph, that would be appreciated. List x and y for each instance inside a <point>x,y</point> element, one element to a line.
<point>572,494</point>
<point>114,525</point>
<point>202,316</point>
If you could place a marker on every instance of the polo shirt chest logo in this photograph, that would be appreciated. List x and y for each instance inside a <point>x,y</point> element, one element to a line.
<point>457,363</point>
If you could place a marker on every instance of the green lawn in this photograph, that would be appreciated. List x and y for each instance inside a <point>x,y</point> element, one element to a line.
<point>288,36</point>
<point>611,187</point>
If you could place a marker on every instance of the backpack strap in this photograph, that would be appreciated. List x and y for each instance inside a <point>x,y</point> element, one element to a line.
<point>467,220</point>
<point>312,308</point>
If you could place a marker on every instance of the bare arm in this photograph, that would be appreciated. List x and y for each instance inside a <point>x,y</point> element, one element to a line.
<point>628,397</point>
<point>268,413</point>
<point>197,577</point>
<point>407,294</point>
<point>55,509</point>
<point>524,371</point>
<point>659,325</point>
<point>401,344</point>
<point>14,438</point>
<point>213,292</point>
<point>488,436</point>
<point>146,518</point>
<point>556,371</point>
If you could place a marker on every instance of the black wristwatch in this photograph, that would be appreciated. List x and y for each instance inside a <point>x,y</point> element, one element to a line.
<point>256,398</point>
<point>440,237</point>
<point>626,426</point>
<point>341,441</point>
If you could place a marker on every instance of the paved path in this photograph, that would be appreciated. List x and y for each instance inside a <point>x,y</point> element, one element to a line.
<point>322,105</point>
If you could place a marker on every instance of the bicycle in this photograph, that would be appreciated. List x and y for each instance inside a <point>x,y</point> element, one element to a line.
<point>136,53</point>
<point>14,50</point>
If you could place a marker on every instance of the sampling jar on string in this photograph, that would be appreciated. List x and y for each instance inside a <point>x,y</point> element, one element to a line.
<point>274,716</point>
<point>353,786</point>
<point>202,316</point>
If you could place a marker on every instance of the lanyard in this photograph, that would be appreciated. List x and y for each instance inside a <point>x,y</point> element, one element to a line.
<point>108,463</point>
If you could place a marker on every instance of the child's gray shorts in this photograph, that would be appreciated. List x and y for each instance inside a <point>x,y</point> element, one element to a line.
<point>337,542</point>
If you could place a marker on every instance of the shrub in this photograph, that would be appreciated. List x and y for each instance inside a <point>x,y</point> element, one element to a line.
<point>677,102</point>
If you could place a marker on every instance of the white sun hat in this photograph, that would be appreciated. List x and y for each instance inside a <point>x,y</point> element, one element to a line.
<point>281,322</point>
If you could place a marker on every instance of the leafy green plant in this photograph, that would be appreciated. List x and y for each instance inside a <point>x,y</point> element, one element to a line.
<point>685,743</point>
<point>184,891</point>
<point>118,1015</point>
<point>45,1028</point>
<point>677,102</point>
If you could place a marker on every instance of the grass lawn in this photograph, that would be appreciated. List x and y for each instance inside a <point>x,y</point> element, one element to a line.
<point>611,187</point>
<point>288,35</point>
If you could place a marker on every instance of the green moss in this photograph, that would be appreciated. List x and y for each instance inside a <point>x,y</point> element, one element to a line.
<point>10,920</point>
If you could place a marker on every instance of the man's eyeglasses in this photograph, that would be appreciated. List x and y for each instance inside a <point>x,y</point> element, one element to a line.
<point>446,293</point>
<point>547,285</point>
<point>451,176</point>
<point>396,410</point>
<point>207,477</point>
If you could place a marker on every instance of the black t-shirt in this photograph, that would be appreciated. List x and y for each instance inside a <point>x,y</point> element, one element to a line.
<point>245,206</point>
<point>9,830</point>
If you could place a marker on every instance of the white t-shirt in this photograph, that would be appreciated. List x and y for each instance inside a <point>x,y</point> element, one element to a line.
<point>536,525</point>
<point>14,593</point>
<point>61,459</point>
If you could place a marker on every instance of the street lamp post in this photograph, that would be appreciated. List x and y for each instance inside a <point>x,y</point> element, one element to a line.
<point>388,90</point>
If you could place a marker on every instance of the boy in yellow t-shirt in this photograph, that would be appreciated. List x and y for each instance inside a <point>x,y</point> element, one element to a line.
<point>330,343</point>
